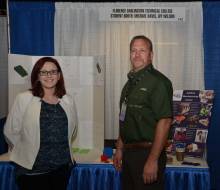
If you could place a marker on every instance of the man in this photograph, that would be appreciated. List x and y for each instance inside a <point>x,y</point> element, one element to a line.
<point>145,119</point>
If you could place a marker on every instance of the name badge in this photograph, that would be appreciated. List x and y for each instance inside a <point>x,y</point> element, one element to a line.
<point>123,111</point>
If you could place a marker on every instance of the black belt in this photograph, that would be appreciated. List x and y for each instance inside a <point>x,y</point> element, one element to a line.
<point>137,145</point>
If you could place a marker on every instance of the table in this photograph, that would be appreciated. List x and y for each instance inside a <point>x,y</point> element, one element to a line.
<point>105,177</point>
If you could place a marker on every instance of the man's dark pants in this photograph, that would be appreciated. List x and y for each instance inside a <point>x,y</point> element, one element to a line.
<point>132,170</point>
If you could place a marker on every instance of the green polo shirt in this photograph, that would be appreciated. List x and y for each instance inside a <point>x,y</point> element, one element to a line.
<point>148,96</point>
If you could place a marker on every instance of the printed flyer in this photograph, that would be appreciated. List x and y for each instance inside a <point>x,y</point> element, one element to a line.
<point>191,120</point>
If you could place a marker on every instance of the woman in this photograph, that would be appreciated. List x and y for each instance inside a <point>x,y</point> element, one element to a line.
<point>40,129</point>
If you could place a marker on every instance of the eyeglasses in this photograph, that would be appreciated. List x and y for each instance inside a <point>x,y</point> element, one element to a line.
<point>46,73</point>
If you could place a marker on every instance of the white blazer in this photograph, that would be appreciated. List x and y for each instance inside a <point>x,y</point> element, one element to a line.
<point>22,127</point>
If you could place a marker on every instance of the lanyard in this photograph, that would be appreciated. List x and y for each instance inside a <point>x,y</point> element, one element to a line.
<point>132,83</point>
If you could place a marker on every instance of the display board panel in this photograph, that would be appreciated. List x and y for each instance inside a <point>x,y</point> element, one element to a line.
<point>191,121</point>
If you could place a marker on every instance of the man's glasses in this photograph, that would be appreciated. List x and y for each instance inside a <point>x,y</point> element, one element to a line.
<point>46,73</point>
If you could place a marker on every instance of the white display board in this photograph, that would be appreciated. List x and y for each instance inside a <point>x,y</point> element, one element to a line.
<point>84,79</point>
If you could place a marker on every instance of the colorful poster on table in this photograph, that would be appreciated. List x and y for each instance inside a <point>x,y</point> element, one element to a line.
<point>191,120</point>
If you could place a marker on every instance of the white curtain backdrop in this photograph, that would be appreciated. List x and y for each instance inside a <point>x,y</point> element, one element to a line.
<point>3,67</point>
<point>178,51</point>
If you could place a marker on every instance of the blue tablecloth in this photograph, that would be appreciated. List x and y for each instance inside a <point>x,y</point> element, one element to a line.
<point>7,179</point>
<point>94,177</point>
<point>186,178</point>
<point>105,177</point>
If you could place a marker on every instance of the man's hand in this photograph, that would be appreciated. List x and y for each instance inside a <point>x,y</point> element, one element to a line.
<point>117,159</point>
<point>150,172</point>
